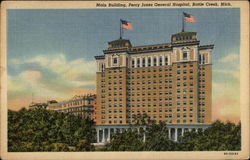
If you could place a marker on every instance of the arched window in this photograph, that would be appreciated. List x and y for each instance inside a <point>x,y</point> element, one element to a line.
<point>200,59</point>
<point>143,62</point>
<point>103,67</point>
<point>166,60</point>
<point>203,59</point>
<point>149,61</point>
<point>160,61</point>
<point>155,61</point>
<point>138,62</point>
<point>133,63</point>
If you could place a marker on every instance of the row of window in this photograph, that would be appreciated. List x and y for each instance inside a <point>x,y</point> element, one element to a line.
<point>129,121</point>
<point>160,104</point>
<point>150,62</point>
<point>149,93</point>
<point>115,71</point>
<point>153,116</point>
<point>184,78</point>
<point>114,82</point>
<point>149,99</point>
<point>149,82</point>
<point>151,87</point>
<point>115,122</point>
<point>184,65</point>
<point>148,76</point>
<point>149,105</point>
<point>156,76</point>
<point>75,109</point>
<point>154,87</point>
<point>183,38</point>
<point>154,69</point>
<point>184,103</point>
<point>184,121</point>
<point>184,115</point>
<point>132,105</point>
<point>150,69</point>
<point>115,76</point>
<point>71,104</point>
<point>185,96</point>
<point>185,91</point>
<point>184,71</point>
<point>202,74</point>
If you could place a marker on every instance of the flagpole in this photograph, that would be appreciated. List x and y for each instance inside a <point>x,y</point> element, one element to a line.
<point>120,29</point>
<point>183,22</point>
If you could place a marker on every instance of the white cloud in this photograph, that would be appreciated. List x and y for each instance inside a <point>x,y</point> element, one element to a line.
<point>229,58</point>
<point>226,72</point>
<point>57,63</point>
<point>56,77</point>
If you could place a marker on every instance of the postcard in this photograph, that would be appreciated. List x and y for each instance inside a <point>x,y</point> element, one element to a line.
<point>124,80</point>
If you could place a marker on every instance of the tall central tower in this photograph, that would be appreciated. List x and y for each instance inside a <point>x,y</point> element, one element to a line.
<point>169,82</point>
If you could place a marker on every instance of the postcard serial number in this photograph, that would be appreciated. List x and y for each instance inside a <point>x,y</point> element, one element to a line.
<point>230,153</point>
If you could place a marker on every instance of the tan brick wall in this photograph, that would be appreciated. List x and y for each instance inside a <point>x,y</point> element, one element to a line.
<point>165,93</point>
<point>205,89</point>
<point>179,93</point>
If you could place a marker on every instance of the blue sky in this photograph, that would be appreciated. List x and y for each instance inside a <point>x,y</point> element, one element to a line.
<point>56,48</point>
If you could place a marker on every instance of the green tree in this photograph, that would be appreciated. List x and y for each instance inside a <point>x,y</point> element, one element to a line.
<point>219,137</point>
<point>157,139</point>
<point>126,141</point>
<point>43,130</point>
<point>59,147</point>
<point>84,145</point>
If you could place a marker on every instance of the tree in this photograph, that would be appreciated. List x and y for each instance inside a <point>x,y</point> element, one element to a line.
<point>219,137</point>
<point>84,145</point>
<point>157,139</point>
<point>126,141</point>
<point>43,130</point>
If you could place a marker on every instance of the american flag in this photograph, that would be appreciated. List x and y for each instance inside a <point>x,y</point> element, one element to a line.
<point>189,18</point>
<point>126,25</point>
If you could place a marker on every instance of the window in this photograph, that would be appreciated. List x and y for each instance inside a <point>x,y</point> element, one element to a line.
<point>200,59</point>
<point>149,61</point>
<point>138,62</point>
<point>155,60</point>
<point>133,63</point>
<point>143,62</point>
<point>103,67</point>
<point>185,56</point>
<point>160,63</point>
<point>166,61</point>
<point>115,60</point>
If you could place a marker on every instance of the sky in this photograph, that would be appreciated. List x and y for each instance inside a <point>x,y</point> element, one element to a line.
<point>50,53</point>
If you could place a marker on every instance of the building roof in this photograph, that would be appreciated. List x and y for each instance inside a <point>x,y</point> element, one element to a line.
<point>100,57</point>
<point>184,33</point>
<point>119,41</point>
<point>177,40</point>
<point>206,47</point>
<point>75,99</point>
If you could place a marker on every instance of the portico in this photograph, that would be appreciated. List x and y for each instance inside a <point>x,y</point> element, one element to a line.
<point>174,132</point>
